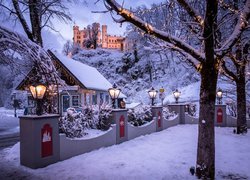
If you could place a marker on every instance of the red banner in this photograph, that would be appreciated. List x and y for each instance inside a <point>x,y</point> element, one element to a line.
<point>219,115</point>
<point>122,126</point>
<point>159,119</point>
<point>46,140</point>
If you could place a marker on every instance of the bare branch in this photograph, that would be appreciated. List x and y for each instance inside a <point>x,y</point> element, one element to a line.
<point>129,16</point>
<point>28,49</point>
<point>22,19</point>
<point>240,26</point>
<point>192,13</point>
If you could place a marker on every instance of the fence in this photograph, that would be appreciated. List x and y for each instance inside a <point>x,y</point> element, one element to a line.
<point>42,132</point>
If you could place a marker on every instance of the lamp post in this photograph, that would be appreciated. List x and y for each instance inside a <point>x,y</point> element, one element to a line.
<point>152,94</point>
<point>38,92</point>
<point>114,93</point>
<point>176,94</point>
<point>219,95</point>
<point>15,103</point>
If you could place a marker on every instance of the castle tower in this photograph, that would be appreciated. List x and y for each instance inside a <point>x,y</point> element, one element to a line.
<point>75,33</point>
<point>104,36</point>
<point>96,27</point>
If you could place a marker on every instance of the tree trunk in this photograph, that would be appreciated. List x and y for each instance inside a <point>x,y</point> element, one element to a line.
<point>205,164</point>
<point>241,102</point>
<point>35,19</point>
<point>206,146</point>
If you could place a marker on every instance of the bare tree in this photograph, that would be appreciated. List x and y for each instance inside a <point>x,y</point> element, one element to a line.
<point>40,14</point>
<point>67,48</point>
<point>207,55</point>
<point>239,59</point>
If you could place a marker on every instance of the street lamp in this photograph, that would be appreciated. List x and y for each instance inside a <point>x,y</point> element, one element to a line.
<point>176,94</point>
<point>152,94</point>
<point>114,93</point>
<point>38,92</point>
<point>219,95</point>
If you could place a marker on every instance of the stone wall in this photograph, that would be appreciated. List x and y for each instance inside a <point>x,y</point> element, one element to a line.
<point>74,147</point>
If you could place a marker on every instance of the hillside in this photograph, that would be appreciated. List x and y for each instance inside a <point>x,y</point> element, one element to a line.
<point>137,71</point>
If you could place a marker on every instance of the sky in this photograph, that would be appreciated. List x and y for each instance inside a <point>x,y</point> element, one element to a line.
<point>82,15</point>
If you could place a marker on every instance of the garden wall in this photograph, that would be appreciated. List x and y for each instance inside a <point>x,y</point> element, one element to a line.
<point>171,122</point>
<point>191,119</point>
<point>231,121</point>
<point>74,147</point>
<point>135,131</point>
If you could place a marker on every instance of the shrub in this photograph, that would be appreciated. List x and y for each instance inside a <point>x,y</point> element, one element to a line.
<point>74,123</point>
<point>140,115</point>
<point>166,114</point>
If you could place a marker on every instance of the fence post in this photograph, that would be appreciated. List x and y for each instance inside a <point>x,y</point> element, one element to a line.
<point>157,114</point>
<point>39,140</point>
<point>120,118</point>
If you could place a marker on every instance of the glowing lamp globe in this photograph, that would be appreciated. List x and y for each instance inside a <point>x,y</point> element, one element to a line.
<point>219,95</point>
<point>38,91</point>
<point>177,95</point>
<point>152,93</point>
<point>114,92</point>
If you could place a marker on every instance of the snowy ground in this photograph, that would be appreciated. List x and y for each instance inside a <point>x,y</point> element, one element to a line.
<point>8,123</point>
<point>163,155</point>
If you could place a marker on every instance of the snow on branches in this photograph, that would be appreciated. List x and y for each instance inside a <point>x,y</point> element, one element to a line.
<point>25,48</point>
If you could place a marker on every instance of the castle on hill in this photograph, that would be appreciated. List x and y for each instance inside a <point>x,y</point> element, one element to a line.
<point>103,39</point>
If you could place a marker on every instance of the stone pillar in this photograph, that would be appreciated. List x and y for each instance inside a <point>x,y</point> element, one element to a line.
<point>220,118</point>
<point>157,114</point>
<point>120,118</point>
<point>179,109</point>
<point>39,140</point>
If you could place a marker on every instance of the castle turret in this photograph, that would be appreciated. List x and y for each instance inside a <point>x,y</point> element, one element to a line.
<point>75,32</point>
<point>104,36</point>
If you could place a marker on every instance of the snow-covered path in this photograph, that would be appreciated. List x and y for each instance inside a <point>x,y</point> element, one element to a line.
<point>163,155</point>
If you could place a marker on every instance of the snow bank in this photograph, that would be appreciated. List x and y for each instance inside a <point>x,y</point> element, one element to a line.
<point>163,155</point>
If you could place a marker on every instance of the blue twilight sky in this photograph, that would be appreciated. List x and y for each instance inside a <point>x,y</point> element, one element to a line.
<point>82,16</point>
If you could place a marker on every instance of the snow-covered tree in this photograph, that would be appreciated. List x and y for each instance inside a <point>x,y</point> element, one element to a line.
<point>237,73</point>
<point>35,15</point>
<point>207,55</point>
<point>67,48</point>
<point>12,43</point>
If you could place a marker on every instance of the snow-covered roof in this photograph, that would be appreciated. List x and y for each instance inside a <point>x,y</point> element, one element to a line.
<point>89,76</point>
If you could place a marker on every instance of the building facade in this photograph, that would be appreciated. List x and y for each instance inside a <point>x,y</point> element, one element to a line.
<point>104,40</point>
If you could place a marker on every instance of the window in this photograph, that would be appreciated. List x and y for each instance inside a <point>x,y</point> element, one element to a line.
<point>75,100</point>
<point>94,99</point>
<point>107,99</point>
<point>101,98</point>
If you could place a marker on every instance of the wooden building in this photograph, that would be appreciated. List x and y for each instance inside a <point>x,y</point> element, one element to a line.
<point>84,86</point>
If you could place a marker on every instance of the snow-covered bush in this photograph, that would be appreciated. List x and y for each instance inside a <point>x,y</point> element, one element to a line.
<point>140,115</point>
<point>192,110</point>
<point>166,114</point>
<point>104,118</point>
<point>74,123</point>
